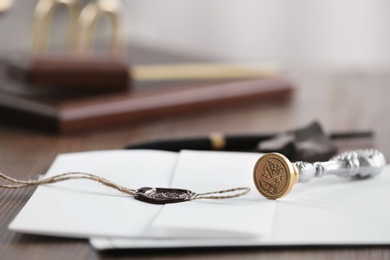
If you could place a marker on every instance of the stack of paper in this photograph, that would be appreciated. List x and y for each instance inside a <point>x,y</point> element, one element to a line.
<point>327,211</point>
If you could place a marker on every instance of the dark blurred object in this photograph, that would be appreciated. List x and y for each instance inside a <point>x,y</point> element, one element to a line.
<point>212,142</point>
<point>308,144</point>
<point>72,73</point>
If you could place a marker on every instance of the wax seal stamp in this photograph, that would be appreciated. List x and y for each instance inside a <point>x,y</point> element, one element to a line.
<point>274,175</point>
<point>163,195</point>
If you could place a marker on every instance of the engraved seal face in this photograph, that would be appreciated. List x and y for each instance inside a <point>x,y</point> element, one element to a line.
<point>274,175</point>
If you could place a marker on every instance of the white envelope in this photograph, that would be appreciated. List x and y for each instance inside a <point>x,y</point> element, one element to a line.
<point>82,208</point>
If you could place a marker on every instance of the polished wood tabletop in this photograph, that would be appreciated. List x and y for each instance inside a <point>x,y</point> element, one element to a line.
<point>340,101</point>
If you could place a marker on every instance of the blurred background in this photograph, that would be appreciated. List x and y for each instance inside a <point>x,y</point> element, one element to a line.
<point>325,34</point>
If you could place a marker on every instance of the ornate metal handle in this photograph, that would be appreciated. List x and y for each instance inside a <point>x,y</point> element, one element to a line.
<point>274,175</point>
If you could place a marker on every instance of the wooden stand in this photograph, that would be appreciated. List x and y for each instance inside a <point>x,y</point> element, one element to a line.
<point>68,115</point>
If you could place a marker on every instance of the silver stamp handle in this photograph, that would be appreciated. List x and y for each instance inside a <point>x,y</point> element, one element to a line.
<point>353,164</point>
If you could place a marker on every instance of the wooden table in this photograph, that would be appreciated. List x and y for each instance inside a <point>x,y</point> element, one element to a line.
<point>340,101</point>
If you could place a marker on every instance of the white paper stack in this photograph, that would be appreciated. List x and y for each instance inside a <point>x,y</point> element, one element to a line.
<point>327,211</point>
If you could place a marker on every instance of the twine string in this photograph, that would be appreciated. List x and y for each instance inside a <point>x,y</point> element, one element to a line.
<point>63,177</point>
<point>17,184</point>
<point>212,195</point>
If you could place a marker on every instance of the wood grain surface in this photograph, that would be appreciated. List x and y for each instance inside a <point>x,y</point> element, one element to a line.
<point>340,102</point>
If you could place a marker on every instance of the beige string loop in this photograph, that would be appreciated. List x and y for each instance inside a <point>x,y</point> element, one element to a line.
<point>17,184</point>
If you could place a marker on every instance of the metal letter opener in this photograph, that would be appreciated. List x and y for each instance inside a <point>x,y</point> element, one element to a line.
<point>274,175</point>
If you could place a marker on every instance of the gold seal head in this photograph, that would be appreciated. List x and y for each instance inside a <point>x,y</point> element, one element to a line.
<point>274,175</point>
